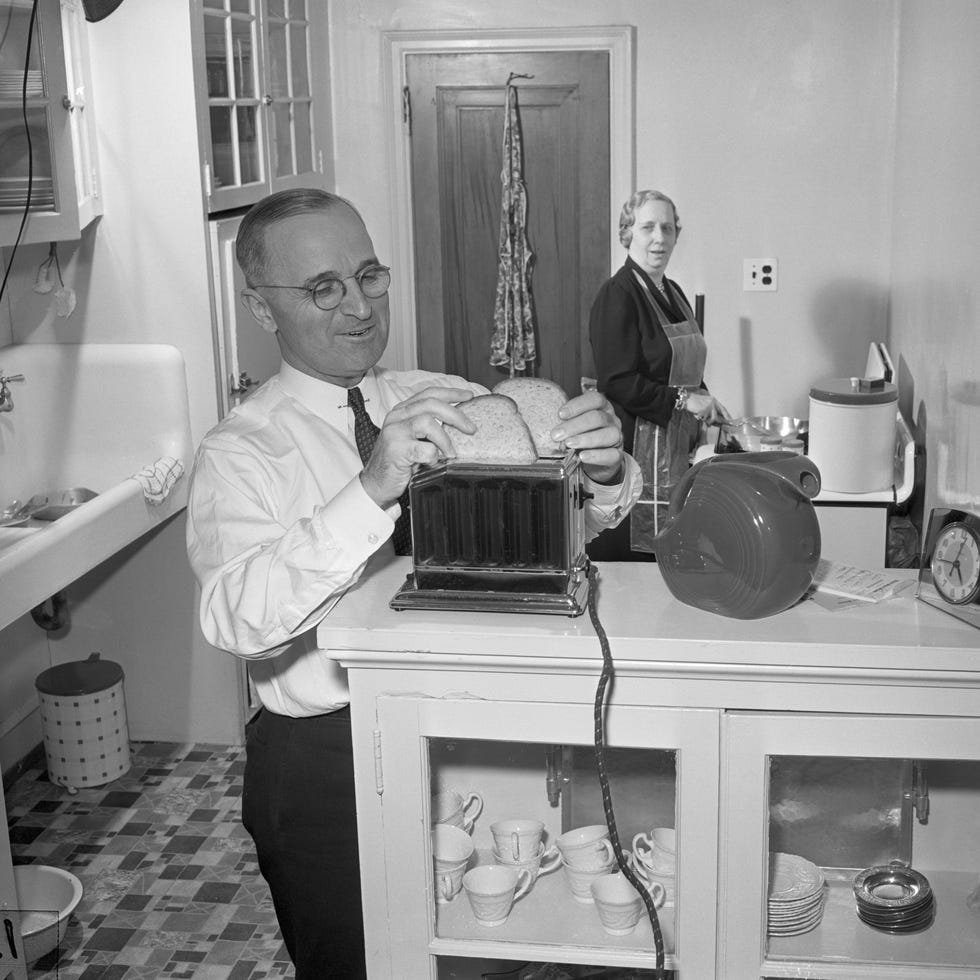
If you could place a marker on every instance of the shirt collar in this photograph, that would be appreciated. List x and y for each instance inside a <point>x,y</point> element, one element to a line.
<point>325,399</point>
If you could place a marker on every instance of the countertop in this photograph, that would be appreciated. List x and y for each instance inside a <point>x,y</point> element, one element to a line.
<point>900,640</point>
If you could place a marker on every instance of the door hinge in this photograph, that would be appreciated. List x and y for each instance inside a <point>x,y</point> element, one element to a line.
<point>407,108</point>
<point>379,780</point>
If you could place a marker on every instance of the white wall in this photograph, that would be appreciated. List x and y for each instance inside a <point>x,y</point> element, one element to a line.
<point>770,123</point>
<point>141,275</point>
<point>935,295</point>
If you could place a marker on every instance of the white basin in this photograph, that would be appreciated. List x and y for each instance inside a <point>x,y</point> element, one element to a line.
<point>92,416</point>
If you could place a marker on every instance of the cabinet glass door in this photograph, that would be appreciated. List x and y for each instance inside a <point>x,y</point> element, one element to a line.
<point>47,154</point>
<point>291,123</point>
<point>853,847</point>
<point>22,88</point>
<point>231,43</point>
<point>259,98</point>
<point>474,765</point>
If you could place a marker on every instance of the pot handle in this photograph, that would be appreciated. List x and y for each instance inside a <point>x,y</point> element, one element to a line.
<point>800,472</point>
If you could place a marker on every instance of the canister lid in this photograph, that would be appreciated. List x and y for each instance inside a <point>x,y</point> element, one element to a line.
<point>855,391</point>
<point>79,677</point>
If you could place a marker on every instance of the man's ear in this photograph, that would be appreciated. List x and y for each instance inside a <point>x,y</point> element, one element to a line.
<point>261,313</point>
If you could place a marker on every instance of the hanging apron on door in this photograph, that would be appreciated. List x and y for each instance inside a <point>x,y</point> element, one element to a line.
<point>664,454</point>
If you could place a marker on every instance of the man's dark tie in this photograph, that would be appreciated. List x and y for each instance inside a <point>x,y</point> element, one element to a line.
<point>365,434</point>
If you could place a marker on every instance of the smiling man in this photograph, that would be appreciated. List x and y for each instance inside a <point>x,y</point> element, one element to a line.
<point>291,494</point>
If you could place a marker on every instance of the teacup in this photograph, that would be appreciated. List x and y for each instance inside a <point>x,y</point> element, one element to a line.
<point>492,890</point>
<point>579,880</point>
<point>619,904</point>
<point>521,839</point>
<point>587,848</point>
<point>452,849</point>
<point>651,878</point>
<point>657,850</point>
<point>545,861</point>
<point>457,810</point>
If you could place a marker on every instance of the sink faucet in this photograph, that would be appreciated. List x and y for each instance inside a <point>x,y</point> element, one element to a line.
<point>6,398</point>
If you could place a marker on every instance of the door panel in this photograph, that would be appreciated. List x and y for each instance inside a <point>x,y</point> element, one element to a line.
<point>456,149</point>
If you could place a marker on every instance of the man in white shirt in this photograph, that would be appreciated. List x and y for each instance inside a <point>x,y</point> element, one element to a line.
<point>283,516</point>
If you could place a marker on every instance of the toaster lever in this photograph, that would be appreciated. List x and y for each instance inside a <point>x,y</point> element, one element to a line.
<point>582,495</point>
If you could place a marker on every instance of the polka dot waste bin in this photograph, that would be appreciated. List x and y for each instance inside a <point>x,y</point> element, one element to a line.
<point>83,719</point>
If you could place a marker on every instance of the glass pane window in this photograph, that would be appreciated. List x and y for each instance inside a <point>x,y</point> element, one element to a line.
<point>216,56</point>
<point>13,53</point>
<point>299,68</point>
<point>303,137</point>
<point>14,160</point>
<point>222,146</point>
<point>278,63</point>
<point>243,57</point>
<point>242,6</point>
<point>282,139</point>
<point>277,8</point>
<point>248,145</point>
<point>538,809</point>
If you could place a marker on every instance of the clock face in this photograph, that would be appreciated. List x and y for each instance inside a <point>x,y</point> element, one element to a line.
<point>956,563</point>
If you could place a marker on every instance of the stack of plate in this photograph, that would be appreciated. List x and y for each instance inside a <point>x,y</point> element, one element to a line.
<point>893,898</point>
<point>796,895</point>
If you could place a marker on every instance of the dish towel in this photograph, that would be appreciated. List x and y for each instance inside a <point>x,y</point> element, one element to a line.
<point>158,479</point>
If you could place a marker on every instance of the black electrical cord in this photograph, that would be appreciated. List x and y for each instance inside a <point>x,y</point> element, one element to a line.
<point>660,973</point>
<point>30,150</point>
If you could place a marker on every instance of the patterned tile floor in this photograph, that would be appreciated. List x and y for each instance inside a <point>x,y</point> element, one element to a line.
<point>172,887</point>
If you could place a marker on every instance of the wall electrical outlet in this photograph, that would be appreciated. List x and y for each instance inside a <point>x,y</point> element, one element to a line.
<point>759,275</point>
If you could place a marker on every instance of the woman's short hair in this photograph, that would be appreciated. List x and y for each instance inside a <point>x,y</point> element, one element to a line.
<point>627,217</point>
<point>250,241</point>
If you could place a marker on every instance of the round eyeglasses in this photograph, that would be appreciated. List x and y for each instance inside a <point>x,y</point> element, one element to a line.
<point>326,294</point>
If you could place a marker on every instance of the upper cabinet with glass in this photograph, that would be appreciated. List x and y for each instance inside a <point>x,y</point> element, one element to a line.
<point>260,68</point>
<point>48,165</point>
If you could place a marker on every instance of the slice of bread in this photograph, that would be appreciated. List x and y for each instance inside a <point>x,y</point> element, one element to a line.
<point>501,436</point>
<point>538,401</point>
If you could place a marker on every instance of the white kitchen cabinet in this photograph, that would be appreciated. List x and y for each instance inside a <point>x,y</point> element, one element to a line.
<point>505,743</point>
<point>261,78</point>
<point>464,700</point>
<point>842,947</point>
<point>54,154</point>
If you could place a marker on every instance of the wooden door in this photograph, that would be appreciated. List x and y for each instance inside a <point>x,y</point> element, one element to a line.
<point>457,117</point>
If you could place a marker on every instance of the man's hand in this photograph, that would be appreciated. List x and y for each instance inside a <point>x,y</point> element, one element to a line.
<point>592,428</point>
<point>412,434</point>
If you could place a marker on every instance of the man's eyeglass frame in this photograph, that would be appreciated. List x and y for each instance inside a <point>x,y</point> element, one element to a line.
<point>358,277</point>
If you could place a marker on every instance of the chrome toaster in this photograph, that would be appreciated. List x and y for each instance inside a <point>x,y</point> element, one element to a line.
<point>497,537</point>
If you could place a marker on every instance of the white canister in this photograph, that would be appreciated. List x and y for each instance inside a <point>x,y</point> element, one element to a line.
<point>852,434</point>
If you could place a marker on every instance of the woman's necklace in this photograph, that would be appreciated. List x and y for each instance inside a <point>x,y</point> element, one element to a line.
<point>663,289</point>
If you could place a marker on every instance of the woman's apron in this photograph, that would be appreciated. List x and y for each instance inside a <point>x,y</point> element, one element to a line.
<point>664,454</point>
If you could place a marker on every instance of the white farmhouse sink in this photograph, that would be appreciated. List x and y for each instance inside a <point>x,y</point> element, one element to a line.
<point>85,416</point>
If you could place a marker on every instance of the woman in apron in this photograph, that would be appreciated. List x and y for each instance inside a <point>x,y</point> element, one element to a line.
<point>649,355</point>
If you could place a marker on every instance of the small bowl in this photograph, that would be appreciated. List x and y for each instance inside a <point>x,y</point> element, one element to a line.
<point>51,506</point>
<point>46,896</point>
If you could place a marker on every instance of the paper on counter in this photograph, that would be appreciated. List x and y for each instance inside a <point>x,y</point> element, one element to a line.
<point>838,586</point>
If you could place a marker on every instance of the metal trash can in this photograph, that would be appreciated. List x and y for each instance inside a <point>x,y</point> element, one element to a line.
<point>83,719</point>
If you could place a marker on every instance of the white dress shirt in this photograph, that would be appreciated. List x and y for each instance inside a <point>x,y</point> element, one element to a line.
<point>278,526</point>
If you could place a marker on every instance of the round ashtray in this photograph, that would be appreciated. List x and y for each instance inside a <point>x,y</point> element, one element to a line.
<point>891,887</point>
<point>893,898</point>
